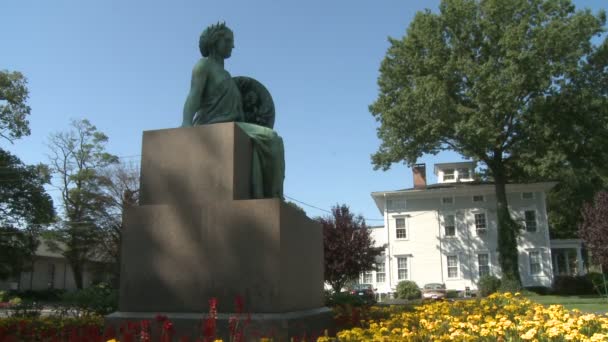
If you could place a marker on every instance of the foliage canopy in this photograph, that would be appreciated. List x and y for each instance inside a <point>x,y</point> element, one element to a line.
<point>25,209</point>
<point>13,107</point>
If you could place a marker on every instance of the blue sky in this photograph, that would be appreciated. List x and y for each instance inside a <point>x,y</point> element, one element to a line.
<point>125,66</point>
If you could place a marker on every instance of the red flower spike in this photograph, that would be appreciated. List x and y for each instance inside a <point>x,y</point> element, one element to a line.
<point>239,303</point>
<point>168,326</point>
<point>209,330</point>
<point>145,324</point>
<point>213,303</point>
<point>238,337</point>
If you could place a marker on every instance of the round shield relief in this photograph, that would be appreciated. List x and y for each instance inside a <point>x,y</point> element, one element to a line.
<point>257,101</point>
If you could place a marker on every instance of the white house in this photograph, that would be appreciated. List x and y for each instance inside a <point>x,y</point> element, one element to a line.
<point>447,232</point>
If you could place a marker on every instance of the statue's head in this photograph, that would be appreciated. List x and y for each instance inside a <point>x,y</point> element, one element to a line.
<point>213,36</point>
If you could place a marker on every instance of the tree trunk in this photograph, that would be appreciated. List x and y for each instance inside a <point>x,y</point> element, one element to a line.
<point>77,272</point>
<point>507,236</point>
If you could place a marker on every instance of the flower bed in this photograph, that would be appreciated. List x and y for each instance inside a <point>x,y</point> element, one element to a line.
<point>53,329</point>
<point>500,317</point>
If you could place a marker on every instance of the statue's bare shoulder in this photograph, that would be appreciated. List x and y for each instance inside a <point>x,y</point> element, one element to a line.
<point>201,68</point>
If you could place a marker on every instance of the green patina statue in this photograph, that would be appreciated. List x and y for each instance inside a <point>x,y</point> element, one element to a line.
<point>217,97</point>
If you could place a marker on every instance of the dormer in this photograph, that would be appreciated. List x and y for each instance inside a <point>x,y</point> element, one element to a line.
<point>455,172</point>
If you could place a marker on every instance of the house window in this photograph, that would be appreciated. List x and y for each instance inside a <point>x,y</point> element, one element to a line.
<point>527,195</point>
<point>448,174</point>
<point>449,225</point>
<point>463,174</point>
<point>530,220</point>
<point>480,223</point>
<point>478,198</point>
<point>452,266</point>
<point>535,266</point>
<point>380,273</point>
<point>447,200</point>
<point>366,277</point>
<point>483,260</point>
<point>400,225</point>
<point>402,268</point>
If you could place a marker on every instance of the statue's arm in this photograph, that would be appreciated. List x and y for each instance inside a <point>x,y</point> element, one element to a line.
<point>193,101</point>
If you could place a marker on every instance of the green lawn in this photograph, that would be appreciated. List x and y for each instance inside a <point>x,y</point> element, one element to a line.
<point>594,304</point>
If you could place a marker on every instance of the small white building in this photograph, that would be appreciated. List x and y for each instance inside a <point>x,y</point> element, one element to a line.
<point>447,232</point>
<point>51,270</point>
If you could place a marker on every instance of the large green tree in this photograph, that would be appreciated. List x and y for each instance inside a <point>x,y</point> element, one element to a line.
<point>76,157</point>
<point>13,107</point>
<point>482,78</point>
<point>572,143</point>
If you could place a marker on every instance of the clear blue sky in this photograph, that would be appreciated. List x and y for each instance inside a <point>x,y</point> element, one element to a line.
<point>125,66</point>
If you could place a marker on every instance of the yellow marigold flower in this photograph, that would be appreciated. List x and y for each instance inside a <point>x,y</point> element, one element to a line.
<point>599,337</point>
<point>588,317</point>
<point>529,334</point>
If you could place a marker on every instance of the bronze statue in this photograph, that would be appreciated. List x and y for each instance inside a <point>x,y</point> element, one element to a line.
<point>217,97</point>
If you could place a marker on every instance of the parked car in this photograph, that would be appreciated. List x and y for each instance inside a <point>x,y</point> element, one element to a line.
<point>365,292</point>
<point>434,291</point>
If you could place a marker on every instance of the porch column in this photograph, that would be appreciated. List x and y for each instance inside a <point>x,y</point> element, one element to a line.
<point>579,261</point>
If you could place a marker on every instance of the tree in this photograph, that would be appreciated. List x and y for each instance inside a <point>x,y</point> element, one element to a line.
<point>594,228</point>
<point>574,145</point>
<point>565,201</point>
<point>25,209</point>
<point>348,246</point>
<point>120,184</point>
<point>484,79</point>
<point>76,157</point>
<point>14,112</point>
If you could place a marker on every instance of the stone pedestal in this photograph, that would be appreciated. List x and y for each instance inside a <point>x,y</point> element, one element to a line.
<point>196,235</point>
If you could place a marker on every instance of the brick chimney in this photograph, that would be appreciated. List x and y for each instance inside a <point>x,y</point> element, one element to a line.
<point>419,171</point>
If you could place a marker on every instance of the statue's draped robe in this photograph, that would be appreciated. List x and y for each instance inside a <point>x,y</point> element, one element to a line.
<point>224,104</point>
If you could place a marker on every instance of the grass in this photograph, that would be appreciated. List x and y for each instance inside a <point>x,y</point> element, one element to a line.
<point>591,304</point>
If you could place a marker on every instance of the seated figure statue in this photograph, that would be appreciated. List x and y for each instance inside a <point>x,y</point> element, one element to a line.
<point>217,97</point>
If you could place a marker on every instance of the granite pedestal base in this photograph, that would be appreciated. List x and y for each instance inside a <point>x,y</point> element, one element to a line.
<point>196,235</point>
